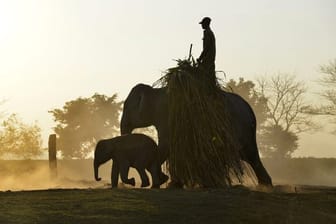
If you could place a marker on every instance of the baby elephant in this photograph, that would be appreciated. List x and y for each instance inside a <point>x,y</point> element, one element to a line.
<point>133,150</point>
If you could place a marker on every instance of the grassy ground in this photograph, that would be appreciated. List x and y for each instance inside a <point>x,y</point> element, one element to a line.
<point>236,205</point>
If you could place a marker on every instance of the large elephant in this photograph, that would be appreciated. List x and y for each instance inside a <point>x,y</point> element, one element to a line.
<point>133,150</point>
<point>146,106</point>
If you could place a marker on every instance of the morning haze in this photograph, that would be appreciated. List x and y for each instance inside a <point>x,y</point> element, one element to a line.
<point>56,51</point>
<point>81,141</point>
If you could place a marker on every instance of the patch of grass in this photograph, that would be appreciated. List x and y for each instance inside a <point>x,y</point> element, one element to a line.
<point>233,205</point>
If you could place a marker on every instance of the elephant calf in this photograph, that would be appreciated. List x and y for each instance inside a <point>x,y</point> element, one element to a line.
<point>132,150</point>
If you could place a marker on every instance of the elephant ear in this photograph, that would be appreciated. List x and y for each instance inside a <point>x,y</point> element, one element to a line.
<point>144,101</point>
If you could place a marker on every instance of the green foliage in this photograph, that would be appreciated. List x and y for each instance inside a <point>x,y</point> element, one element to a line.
<point>19,140</point>
<point>81,122</point>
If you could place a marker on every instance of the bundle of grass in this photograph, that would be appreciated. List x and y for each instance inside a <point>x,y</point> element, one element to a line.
<point>203,150</point>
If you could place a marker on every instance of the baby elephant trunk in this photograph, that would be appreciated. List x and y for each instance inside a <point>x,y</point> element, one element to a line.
<point>96,166</point>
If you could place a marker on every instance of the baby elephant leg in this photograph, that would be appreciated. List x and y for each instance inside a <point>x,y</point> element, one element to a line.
<point>143,176</point>
<point>114,174</point>
<point>158,176</point>
<point>124,174</point>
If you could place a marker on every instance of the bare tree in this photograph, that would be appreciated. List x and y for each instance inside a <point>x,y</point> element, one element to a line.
<point>286,102</point>
<point>329,82</point>
<point>286,118</point>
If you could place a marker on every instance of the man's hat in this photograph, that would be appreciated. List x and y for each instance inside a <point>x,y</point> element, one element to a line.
<point>205,20</point>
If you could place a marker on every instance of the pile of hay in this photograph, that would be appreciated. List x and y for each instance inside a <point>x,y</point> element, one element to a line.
<point>203,150</point>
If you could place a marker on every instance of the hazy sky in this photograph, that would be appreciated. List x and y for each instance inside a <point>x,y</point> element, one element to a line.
<point>55,51</point>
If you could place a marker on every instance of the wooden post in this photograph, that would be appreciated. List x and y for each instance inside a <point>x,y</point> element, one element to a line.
<point>52,156</point>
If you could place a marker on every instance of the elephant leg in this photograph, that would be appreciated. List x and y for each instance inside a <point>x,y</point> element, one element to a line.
<point>153,170</point>
<point>163,156</point>
<point>259,169</point>
<point>143,176</point>
<point>163,178</point>
<point>114,174</point>
<point>158,177</point>
<point>124,168</point>
<point>174,183</point>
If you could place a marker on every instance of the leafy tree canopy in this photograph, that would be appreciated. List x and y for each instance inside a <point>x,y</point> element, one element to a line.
<point>84,121</point>
<point>19,140</point>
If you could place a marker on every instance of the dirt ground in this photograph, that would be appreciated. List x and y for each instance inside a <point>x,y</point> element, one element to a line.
<point>282,204</point>
<point>74,197</point>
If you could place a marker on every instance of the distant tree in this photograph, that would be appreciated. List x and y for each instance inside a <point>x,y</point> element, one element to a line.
<point>276,142</point>
<point>286,102</point>
<point>286,117</point>
<point>19,140</point>
<point>2,113</point>
<point>82,122</point>
<point>247,90</point>
<point>329,81</point>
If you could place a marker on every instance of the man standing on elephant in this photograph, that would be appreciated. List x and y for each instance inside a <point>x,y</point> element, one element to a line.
<point>207,58</point>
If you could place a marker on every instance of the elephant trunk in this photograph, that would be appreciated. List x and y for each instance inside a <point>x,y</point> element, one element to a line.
<point>96,166</point>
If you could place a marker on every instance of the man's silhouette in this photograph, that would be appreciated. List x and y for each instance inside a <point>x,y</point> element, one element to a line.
<point>207,58</point>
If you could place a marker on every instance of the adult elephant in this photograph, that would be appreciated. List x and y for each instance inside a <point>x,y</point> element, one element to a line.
<point>146,106</point>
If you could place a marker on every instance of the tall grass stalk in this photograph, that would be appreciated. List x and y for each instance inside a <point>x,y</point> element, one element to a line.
<point>203,148</point>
